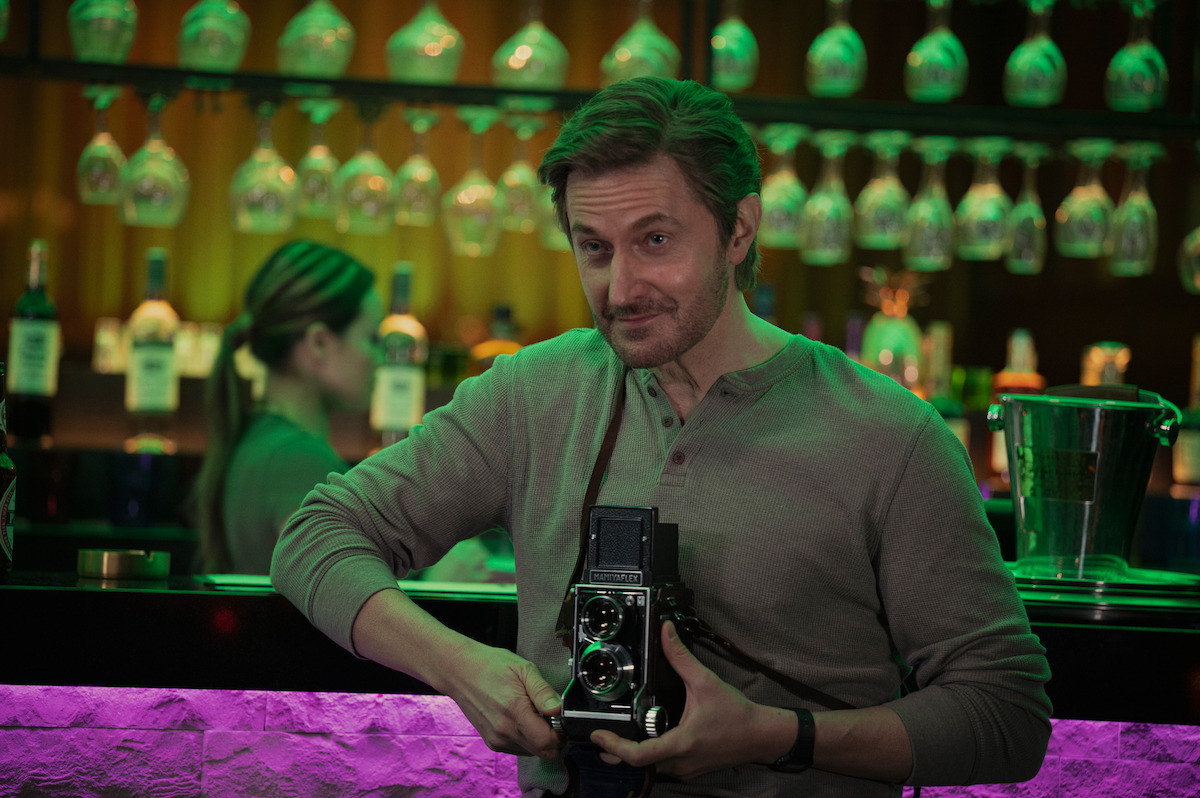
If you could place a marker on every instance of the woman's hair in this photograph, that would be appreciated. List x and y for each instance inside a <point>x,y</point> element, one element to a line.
<point>632,122</point>
<point>301,283</point>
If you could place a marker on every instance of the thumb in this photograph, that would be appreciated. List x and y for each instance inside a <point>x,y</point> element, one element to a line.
<point>544,697</point>
<point>681,659</point>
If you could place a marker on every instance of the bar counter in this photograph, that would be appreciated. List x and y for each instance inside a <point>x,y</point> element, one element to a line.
<point>1130,655</point>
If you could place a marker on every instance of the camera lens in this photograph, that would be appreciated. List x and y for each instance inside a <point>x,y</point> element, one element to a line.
<point>606,671</point>
<point>602,617</point>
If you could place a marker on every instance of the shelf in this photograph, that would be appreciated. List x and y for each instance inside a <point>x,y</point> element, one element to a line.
<point>273,85</point>
<point>967,120</point>
<point>918,118</point>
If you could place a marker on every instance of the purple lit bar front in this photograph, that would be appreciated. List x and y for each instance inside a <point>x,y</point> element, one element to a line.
<point>60,741</point>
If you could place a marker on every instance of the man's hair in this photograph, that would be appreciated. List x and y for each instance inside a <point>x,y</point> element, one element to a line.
<point>632,122</point>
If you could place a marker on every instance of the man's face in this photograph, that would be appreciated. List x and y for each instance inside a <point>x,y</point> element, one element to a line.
<point>650,259</point>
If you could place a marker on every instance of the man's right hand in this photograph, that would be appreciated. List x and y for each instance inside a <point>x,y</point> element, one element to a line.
<point>506,699</point>
<point>503,696</point>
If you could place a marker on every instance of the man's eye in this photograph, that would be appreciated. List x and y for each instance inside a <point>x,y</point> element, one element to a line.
<point>592,247</point>
<point>657,239</point>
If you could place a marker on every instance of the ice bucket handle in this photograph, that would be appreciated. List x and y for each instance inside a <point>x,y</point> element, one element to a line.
<point>1166,428</point>
<point>995,417</point>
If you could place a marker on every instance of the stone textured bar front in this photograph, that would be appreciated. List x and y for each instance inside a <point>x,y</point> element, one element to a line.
<point>148,742</point>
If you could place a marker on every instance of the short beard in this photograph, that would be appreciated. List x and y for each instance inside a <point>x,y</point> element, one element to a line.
<point>689,332</point>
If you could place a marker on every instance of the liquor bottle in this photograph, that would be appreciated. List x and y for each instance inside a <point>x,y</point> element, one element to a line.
<point>8,489</point>
<point>34,344</point>
<point>151,375</point>
<point>502,342</point>
<point>1104,363</point>
<point>398,401</point>
<point>855,324</point>
<point>939,379</point>
<point>764,302</point>
<point>1019,376</point>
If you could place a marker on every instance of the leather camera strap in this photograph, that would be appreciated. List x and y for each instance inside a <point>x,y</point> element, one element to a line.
<point>566,620</point>
<point>692,625</point>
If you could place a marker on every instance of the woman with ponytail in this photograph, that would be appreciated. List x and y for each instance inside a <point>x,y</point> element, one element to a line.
<point>310,317</point>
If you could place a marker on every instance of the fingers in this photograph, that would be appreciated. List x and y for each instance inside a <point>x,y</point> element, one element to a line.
<point>637,754</point>
<point>544,697</point>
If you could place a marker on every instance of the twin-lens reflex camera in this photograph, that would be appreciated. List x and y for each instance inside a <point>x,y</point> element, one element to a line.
<point>620,678</point>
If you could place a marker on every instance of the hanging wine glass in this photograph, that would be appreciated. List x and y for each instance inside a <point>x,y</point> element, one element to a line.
<point>883,202</point>
<point>362,187</point>
<point>533,57</point>
<point>734,51</point>
<point>98,173</point>
<point>472,207</point>
<point>427,49</point>
<point>417,186</point>
<point>930,219</point>
<point>936,68</point>
<point>1027,221</point>
<point>1188,257</point>
<point>640,51</point>
<point>318,166</point>
<point>1189,262</point>
<point>550,233</point>
<point>783,195</point>
<point>836,64</point>
<point>213,36</point>
<point>317,42</point>
<point>982,215</point>
<point>519,185</point>
<point>1035,75</point>
<point>102,30</point>
<point>1083,219</point>
<point>154,182</point>
<point>827,221</point>
<point>1136,79</point>
<point>1133,236</point>
<point>262,195</point>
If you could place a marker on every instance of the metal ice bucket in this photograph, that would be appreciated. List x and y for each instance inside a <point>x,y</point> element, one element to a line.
<point>1079,462</point>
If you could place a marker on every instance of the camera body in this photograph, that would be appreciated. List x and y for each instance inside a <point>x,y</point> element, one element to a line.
<point>620,678</point>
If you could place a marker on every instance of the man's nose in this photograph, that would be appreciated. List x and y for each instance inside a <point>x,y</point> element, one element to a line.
<point>624,280</point>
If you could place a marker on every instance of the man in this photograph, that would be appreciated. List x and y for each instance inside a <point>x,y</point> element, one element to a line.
<point>829,522</point>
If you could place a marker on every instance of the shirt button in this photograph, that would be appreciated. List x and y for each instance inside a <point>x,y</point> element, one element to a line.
<point>668,421</point>
<point>653,392</point>
<point>678,458</point>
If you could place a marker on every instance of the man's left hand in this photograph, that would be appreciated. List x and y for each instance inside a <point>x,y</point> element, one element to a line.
<point>720,727</point>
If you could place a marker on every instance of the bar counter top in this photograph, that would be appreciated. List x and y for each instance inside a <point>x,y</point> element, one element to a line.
<point>1128,653</point>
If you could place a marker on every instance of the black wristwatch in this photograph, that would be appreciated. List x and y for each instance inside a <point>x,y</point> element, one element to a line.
<point>800,758</point>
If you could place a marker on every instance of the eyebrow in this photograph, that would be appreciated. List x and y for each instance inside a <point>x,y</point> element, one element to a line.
<point>648,220</point>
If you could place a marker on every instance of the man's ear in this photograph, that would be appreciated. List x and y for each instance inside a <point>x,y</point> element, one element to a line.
<point>745,227</point>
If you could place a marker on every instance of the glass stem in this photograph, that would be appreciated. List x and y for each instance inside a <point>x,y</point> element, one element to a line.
<point>839,12</point>
<point>831,172</point>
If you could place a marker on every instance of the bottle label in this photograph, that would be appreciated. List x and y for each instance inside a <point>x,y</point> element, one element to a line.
<point>398,401</point>
<point>151,381</point>
<point>33,349</point>
<point>8,511</point>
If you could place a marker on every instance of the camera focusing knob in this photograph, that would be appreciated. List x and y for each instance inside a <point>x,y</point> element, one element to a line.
<point>656,722</point>
<point>556,723</point>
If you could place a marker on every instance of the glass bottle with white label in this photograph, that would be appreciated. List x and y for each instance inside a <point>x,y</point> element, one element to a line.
<point>34,344</point>
<point>398,401</point>
<point>151,374</point>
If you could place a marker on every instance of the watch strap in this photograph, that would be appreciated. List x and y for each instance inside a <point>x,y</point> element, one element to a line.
<point>800,757</point>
